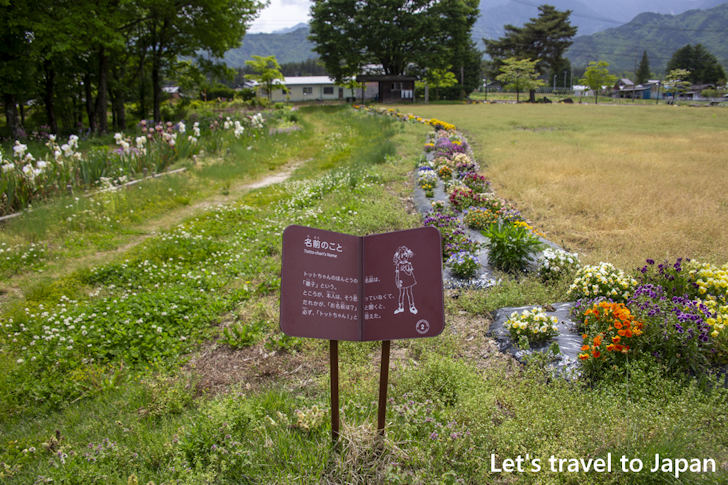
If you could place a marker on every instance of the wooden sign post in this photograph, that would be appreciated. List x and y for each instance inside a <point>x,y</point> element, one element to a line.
<point>381,287</point>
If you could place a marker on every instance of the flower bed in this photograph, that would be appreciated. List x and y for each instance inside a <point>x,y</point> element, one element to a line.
<point>28,177</point>
<point>473,181</point>
<point>464,264</point>
<point>602,281</point>
<point>534,325</point>
<point>676,315</point>
<point>554,264</point>
<point>480,218</point>
<point>463,197</point>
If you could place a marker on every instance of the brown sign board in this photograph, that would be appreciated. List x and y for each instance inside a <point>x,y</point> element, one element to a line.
<point>380,287</point>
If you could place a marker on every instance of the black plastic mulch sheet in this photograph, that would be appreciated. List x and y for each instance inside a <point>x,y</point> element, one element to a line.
<point>569,340</point>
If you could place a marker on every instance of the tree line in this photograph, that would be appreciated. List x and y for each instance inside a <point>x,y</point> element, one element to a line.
<point>82,57</point>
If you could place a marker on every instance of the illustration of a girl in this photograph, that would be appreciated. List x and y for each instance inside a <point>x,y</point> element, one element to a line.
<point>404,278</point>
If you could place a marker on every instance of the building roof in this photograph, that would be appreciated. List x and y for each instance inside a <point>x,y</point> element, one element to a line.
<point>384,78</point>
<point>307,80</point>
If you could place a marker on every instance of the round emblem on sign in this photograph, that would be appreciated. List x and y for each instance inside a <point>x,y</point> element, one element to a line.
<point>422,327</point>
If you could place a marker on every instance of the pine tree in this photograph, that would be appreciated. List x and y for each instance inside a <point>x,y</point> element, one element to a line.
<point>643,70</point>
<point>544,38</point>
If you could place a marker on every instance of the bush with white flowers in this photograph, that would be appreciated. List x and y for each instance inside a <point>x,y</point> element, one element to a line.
<point>532,324</point>
<point>604,280</point>
<point>554,263</point>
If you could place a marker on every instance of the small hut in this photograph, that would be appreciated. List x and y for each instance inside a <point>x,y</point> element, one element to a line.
<point>392,89</point>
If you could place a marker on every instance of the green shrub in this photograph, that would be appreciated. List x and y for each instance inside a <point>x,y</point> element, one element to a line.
<point>510,248</point>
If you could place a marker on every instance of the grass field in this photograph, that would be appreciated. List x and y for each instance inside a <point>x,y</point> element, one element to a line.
<point>613,183</point>
<point>159,358</point>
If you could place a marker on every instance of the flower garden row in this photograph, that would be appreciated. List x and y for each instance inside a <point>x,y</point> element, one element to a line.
<point>511,240</point>
<point>674,313</point>
<point>27,177</point>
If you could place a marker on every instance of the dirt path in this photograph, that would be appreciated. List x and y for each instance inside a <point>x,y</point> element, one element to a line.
<point>234,193</point>
<point>149,229</point>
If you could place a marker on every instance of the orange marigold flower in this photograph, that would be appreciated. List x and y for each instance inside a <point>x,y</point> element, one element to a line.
<point>583,356</point>
<point>584,348</point>
<point>621,332</point>
<point>617,324</point>
<point>626,324</point>
<point>616,339</point>
<point>618,347</point>
<point>628,333</point>
<point>596,354</point>
<point>610,347</point>
<point>585,336</point>
<point>597,340</point>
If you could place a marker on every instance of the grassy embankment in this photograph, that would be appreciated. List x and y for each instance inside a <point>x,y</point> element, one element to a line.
<point>252,405</point>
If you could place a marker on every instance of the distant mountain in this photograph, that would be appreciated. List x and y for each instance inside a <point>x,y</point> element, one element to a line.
<point>660,35</point>
<point>600,36</point>
<point>287,47</point>
<point>300,25</point>
<point>518,12</point>
<point>619,10</point>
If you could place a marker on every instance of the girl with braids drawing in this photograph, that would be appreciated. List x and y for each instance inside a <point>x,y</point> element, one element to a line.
<point>404,278</point>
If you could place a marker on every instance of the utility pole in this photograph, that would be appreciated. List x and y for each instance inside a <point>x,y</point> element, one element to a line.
<point>634,83</point>
<point>462,82</point>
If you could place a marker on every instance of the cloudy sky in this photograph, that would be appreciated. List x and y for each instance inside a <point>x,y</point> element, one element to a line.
<point>281,14</point>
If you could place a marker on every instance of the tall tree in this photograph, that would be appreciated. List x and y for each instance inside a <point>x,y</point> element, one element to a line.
<point>643,70</point>
<point>519,74</point>
<point>191,28</point>
<point>16,61</point>
<point>392,33</point>
<point>545,38</point>
<point>702,64</point>
<point>597,76</point>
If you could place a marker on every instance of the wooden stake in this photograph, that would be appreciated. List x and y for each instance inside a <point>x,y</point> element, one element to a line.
<point>383,380</point>
<point>334,366</point>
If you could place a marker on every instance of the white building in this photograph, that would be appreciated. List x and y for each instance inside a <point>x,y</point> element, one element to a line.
<point>315,88</point>
<point>309,88</point>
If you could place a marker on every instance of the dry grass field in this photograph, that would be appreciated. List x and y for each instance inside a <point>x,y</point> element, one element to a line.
<point>613,183</point>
